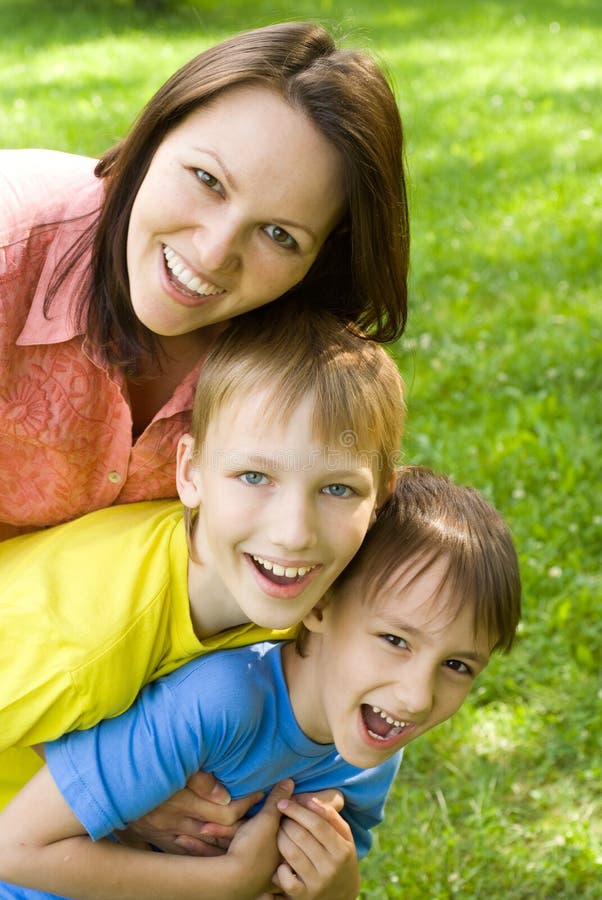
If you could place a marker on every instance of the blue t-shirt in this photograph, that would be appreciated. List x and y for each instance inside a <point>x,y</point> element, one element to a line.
<point>228,713</point>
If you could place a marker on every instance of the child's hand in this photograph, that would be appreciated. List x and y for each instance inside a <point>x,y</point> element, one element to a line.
<point>327,796</point>
<point>320,862</point>
<point>199,820</point>
<point>253,853</point>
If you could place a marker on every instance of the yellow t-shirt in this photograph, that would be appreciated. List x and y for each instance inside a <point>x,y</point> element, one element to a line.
<point>91,611</point>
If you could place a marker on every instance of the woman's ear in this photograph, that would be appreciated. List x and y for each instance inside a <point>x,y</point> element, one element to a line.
<point>187,474</point>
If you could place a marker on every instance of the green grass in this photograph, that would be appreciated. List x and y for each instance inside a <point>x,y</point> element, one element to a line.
<point>503,114</point>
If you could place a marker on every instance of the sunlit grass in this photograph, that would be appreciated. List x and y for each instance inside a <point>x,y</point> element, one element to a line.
<point>503,116</point>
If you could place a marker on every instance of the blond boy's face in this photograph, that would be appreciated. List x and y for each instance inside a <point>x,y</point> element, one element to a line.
<point>280,515</point>
<point>393,667</point>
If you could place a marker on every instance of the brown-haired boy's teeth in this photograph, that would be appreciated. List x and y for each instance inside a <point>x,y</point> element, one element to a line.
<point>389,719</point>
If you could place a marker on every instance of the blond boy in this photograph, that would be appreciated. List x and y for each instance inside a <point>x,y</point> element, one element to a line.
<point>391,651</point>
<point>92,610</point>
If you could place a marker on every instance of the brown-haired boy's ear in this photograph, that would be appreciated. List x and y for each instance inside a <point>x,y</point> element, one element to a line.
<point>315,618</point>
<point>384,494</point>
<point>188,489</point>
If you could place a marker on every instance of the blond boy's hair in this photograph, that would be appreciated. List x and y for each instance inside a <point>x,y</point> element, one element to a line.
<point>292,351</point>
<point>428,518</point>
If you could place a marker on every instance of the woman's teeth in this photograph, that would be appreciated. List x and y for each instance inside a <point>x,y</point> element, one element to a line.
<point>187,278</point>
<point>286,571</point>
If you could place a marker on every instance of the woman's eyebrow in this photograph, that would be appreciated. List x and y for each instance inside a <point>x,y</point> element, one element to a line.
<point>220,162</point>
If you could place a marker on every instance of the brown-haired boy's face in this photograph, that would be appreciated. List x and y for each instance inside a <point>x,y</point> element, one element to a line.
<point>397,666</point>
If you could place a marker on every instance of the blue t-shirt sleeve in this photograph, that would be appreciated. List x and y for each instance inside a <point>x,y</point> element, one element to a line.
<point>123,767</point>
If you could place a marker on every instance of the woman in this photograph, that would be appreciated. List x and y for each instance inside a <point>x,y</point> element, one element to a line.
<point>271,164</point>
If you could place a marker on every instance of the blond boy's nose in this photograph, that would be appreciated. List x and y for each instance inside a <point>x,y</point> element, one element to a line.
<point>295,527</point>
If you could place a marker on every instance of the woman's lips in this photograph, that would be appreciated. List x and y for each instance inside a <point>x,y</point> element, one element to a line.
<point>188,283</point>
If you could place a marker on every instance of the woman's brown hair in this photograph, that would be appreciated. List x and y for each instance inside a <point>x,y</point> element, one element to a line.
<point>361,271</point>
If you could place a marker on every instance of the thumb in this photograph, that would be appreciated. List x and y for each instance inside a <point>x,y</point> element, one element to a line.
<point>267,820</point>
<point>281,791</point>
<point>207,787</point>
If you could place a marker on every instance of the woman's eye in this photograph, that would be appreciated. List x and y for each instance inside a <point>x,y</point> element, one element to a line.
<point>457,665</point>
<point>281,237</point>
<point>208,179</point>
<point>253,478</point>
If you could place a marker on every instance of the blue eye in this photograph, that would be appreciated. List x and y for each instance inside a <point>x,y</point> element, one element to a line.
<point>253,478</point>
<point>338,490</point>
<point>281,237</point>
<point>208,179</point>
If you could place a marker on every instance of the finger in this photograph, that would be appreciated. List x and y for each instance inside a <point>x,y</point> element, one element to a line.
<point>207,787</point>
<point>192,846</point>
<point>212,830</point>
<point>330,815</point>
<point>300,850</point>
<point>267,819</point>
<point>280,794</point>
<point>289,882</point>
<point>329,797</point>
<point>201,811</point>
<point>322,874</point>
<point>319,819</point>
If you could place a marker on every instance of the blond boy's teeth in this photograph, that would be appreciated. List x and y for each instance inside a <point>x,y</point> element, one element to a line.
<point>186,277</point>
<point>287,571</point>
<point>388,719</point>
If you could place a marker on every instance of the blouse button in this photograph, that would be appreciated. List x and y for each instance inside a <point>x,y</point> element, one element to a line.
<point>114,477</point>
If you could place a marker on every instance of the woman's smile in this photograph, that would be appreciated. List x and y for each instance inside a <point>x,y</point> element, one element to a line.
<point>185,279</point>
<point>213,232</point>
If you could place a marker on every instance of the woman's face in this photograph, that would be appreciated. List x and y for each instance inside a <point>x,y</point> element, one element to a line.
<point>235,206</point>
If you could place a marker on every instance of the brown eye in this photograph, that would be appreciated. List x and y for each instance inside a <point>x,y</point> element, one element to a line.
<point>395,640</point>
<point>281,237</point>
<point>208,179</point>
<point>458,666</point>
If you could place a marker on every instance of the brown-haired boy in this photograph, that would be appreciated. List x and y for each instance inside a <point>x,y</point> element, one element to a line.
<point>391,651</point>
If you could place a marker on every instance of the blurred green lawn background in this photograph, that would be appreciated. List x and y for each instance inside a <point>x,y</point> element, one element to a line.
<point>502,110</point>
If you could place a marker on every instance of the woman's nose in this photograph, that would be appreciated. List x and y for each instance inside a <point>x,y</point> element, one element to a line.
<point>218,244</point>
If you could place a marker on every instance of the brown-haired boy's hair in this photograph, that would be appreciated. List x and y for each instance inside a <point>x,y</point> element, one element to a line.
<point>292,350</point>
<point>428,518</point>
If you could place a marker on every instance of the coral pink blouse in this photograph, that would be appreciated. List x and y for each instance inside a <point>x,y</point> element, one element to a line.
<point>65,423</point>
